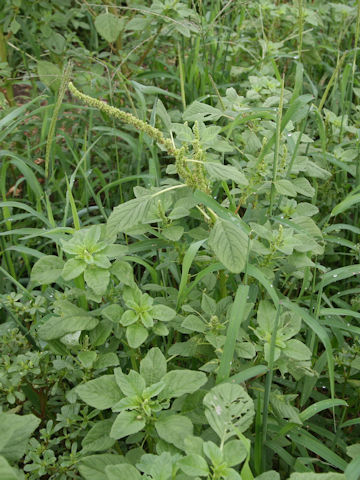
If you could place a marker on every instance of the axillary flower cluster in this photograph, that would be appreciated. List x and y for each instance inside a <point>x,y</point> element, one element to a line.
<point>193,177</point>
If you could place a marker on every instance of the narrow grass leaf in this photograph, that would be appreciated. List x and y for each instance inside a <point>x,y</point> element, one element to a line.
<point>317,407</point>
<point>251,372</point>
<point>236,318</point>
<point>308,441</point>
<point>186,264</point>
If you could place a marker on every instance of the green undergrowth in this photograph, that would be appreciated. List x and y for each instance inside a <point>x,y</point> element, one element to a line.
<point>179,240</point>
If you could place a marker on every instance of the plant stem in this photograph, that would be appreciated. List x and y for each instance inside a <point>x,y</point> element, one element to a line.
<point>277,147</point>
<point>3,58</point>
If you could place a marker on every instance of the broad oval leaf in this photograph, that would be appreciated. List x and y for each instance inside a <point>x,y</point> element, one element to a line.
<point>129,214</point>
<point>124,470</point>
<point>127,423</point>
<point>101,393</point>
<point>230,245</point>
<point>179,382</point>
<point>218,171</point>
<point>201,112</point>
<point>174,429</point>
<point>153,366</point>
<point>57,327</point>
<point>109,26</point>
<point>228,406</point>
<point>47,270</point>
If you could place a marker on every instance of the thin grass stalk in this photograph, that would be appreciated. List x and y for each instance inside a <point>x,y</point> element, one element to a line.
<point>182,78</point>
<point>357,34</point>
<point>9,91</point>
<point>268,383</point>
<point>62,89</point>
<point>331,81</point>
<point>300,26</point>
<point>277,148</point>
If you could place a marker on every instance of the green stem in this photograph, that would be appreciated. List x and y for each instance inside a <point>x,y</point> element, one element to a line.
<point>268,383</point>
<point>80,283</point>
<point>277,147</point>
<point>301,27</point>
<point>3,58</point>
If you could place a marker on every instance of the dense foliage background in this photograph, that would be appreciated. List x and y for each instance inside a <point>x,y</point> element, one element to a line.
<point>179,240</point>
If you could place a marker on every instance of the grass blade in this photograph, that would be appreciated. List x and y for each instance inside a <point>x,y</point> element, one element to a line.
<point>236,318</point>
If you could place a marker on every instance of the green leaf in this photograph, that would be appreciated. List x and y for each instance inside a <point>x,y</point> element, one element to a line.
<point>128,318</point>
<point>122,471</point>
<point>129,214</point>
<point>131,384</point>
<point>321,333</point>
<point>97,279</point>
<point>352,471</point>
<point>194,323</point>
<point>159,467</point>
<point>18,429</point>
<point>55,42</point>
<point>194,465</point>
<point>245,350</point>
<point>248,373</point>
<point>285,187</point>
<point>6,472</point>
<point>136,335</point>
<point>353,450</point>
<point>123,272</point>
<point>153,366</point>
<point>109,26</point>
<point>201,112</point>
<point>73,268</point>
<point>260,277</point>
<point>317,476</point>
<point>348,202</point>
<point>319,407</point>
<point>106,360</point>
<point>163,313</point>
<point>305,439</point>
<point>57,327</point>
<point>213,453</point>
<point>98,437</point>
<point>228,406</point>
<point>230,245</point>
<point>303,186</point>
<point>174,429</point>
<point>87,358</point>
<point>173,232</point>
<point>186,264</point>
<point>126,423</point>
<point>236,317</point>
<point>339,274</point>
<point>234,452</point>
<point>266,316</point>
<point>297,350</point>
<point>102,392</point>
<point>271,475</point>
<point>179,382</point>
<point>152,90</point>
<point>27,172</point>
<point>50,74</point>
<point>101,332</point>
<point>93,467</point>
<point>218,171</point>
<point>47,270</point>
